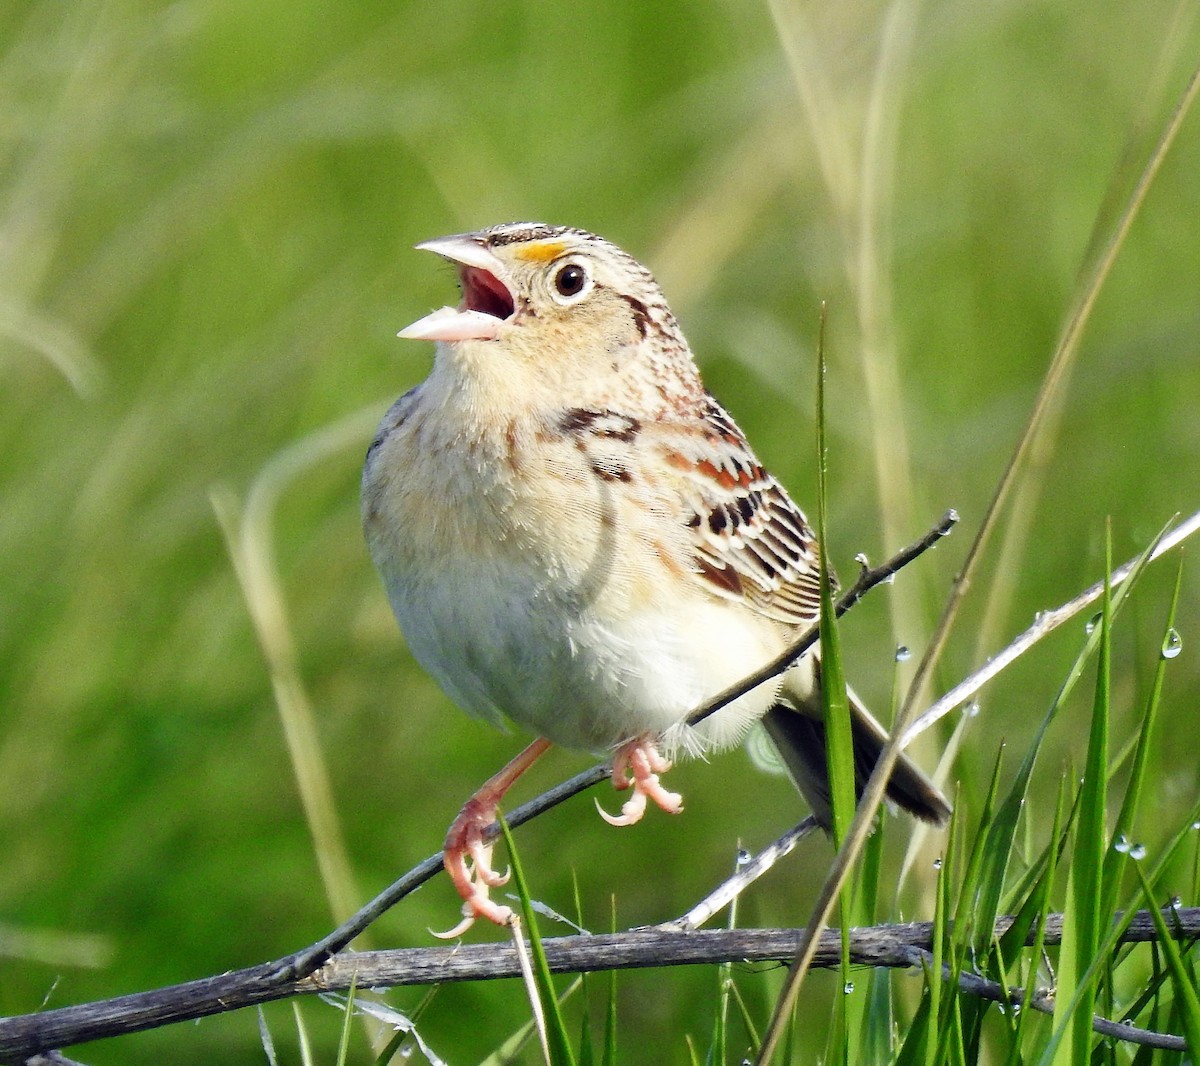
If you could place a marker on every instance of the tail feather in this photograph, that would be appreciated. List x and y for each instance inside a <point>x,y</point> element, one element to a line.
<point>798,731</point>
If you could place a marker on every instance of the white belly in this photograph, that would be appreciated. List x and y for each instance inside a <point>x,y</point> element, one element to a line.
<point>578,681</point>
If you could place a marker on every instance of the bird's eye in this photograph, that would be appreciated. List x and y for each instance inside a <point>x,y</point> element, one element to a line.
<point>572,281</point>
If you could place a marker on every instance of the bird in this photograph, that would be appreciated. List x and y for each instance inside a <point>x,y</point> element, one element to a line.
<point>576,537</point>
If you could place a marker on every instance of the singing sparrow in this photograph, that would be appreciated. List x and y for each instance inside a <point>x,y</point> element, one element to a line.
<point>574,535</point>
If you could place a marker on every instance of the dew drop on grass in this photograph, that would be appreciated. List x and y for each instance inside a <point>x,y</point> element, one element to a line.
<point>848,987</point>
<point>1121,844</point>
<point>1137,852</point>
<point>1172,644</point>
<point>902,654</point>
<point>1092,622</point>
<point>742,858</point>
<point>970,709</point>
<point>937,863</point>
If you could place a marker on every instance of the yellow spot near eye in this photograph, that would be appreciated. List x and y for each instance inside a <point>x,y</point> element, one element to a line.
<point>540,251</point>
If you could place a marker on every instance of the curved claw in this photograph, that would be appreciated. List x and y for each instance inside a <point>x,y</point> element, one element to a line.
<point>477,907</point>
<point>637,765</point>
<point>465,840</point>
<point>631,811</point>
<point>476,878</point>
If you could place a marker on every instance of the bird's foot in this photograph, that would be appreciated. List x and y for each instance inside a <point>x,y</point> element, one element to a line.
<point>475,878</point>
<point>637,765</point>
<point>466,840</point>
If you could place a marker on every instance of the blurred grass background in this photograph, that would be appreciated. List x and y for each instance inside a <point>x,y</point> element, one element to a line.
<point>206,215</point>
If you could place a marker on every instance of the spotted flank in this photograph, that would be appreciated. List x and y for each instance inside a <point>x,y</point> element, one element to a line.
<point>609,424</point>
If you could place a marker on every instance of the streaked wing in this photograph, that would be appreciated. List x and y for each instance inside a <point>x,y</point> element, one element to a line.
<point>751,541</point>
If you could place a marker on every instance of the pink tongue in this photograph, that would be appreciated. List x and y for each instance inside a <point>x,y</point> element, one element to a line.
<point>451,324</point>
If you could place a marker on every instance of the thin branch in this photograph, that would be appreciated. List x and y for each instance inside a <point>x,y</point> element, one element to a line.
<point>297,965</point>
<point>868,578</point>
<point>749,872</point>
<point>888,945</point>
<point>1043,1001</point>
<point>1045,623</point>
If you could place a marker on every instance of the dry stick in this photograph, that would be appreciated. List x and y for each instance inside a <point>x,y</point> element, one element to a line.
<point>1043,1001</point>
<point>873,793</point>
<point>888,945</point>
<point>726,892</point>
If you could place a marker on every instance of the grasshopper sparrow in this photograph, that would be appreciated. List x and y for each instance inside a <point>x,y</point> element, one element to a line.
<point>575,535</point>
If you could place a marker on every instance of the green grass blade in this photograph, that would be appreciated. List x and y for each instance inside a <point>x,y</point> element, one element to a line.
<point>1083,919</point>
<point>347,1018</point>
<point>609,1056</point>
<point>1187,1004</point>
<point>838,739</point>
<point>306,1052</point>
<point>1038,906</point>
<point>556,1029</point>
<point>839,744</point>
<point>1123,827</point>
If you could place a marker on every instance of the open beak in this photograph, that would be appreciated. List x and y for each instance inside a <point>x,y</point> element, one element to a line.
<point>486,303</point>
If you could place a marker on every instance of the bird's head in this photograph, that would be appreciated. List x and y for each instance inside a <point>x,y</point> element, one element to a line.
<point>550,306</point>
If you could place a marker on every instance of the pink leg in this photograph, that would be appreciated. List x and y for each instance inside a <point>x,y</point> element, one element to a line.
<point>465,838</point>
<point>637,764</point>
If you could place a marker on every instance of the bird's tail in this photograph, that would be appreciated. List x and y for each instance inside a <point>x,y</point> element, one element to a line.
<point>798,732</point>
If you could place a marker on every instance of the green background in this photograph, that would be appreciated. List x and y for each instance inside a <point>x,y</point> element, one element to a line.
<point>206,217</point>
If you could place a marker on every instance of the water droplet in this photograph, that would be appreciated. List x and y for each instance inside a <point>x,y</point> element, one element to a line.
<point>1196,825</point>
<point>1016,1009</point>
<point>1137,852</point>
<point>406,1051</point>
<point>952,515</point>
<point>1176,903</point>
<point>743,858</point>
<point>971,709</point>
<point>1000,1008</point>
<point>937,863</point>
<point>1121,844</point>
<point>902,654</point>
<point>1172,644</point>
<point>848,987</point>
<point>1039,617</point>
<point>1092,622</point>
